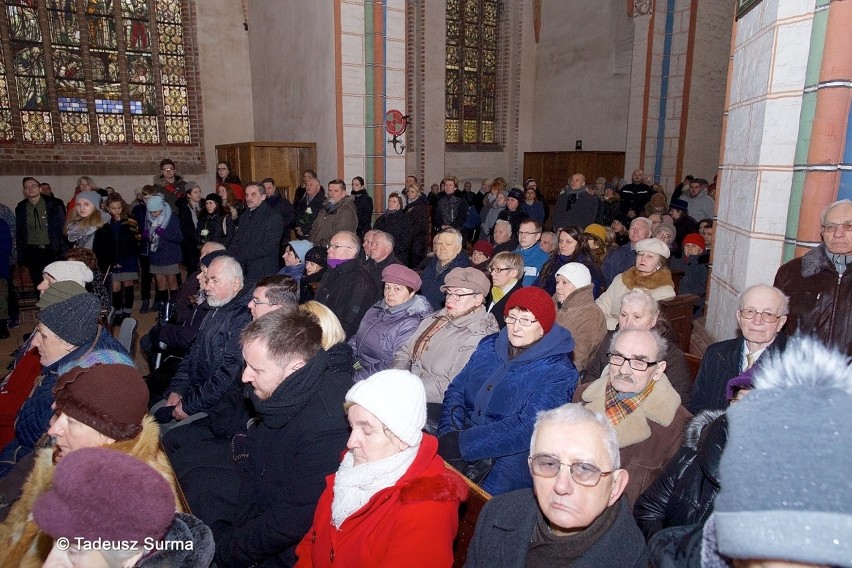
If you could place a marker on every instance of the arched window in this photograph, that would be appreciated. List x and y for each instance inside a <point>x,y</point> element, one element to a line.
<point>102,72</point>
<point>471,72</point>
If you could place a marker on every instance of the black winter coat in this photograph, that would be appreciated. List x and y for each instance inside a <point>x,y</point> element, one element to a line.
<point>211,371</point>
<point>219,226</point>
<point>349,291</point>
<point>285,458</point>
<point>684,492</point>
<point>398,225</point>
<point>256,243</point>
<point>364,211</point>
<point>417,214</point>
<point>450,210</point>
<point>305,220</point>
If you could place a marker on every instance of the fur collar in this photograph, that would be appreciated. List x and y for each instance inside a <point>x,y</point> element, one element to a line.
<point>696,425</point>
<point>20,539</point>
<point>662,277</point>
<point>816,261</point>
<point>659,407</point>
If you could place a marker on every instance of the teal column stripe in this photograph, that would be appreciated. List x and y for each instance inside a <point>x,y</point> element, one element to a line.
<point>806,122</point>
<point>369,90</point>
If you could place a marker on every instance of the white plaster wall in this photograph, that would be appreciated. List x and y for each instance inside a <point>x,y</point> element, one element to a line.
<point>225,97</point>
<point>581,91</point>
<point>293,75</point>
<point>771,48</point>
<point>707,89</point>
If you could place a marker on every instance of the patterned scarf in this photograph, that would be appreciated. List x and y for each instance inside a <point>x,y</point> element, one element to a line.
<point>619,407</point>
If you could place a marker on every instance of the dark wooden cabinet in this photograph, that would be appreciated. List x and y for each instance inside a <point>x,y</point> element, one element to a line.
<point>552,170</point>
<point>282,161</point>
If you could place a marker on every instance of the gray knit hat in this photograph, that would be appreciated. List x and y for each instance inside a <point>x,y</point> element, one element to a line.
<point>785,487</point>
<point>75,320</point>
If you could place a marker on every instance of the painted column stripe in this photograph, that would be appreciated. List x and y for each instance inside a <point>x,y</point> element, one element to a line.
<point>664,90</point>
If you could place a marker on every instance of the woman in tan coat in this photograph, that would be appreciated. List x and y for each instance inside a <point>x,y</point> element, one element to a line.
<point>577,311</point>
<point>102,405</point>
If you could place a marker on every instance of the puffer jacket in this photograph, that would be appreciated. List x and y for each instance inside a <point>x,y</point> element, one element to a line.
<point>329,221</point>
<point>494,401</point>
<point>383,331</point>
<point>684,492</point>
<point>33,418</point>
<point>22,542</point>
<point>450,211</point>
<point>819,298</point>
<point>447,352</point>
<point>581,316</point>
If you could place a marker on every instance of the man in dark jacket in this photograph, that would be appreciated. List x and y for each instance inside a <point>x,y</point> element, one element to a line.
<point>450,211</point>
<point>762,313</point>
<point>256,244</point>
<point>820,282</point>
<point>380,254</point>
<point>347,288</point>
<point>207,379</point>
<point>281,460</point>
<point>308,206</point>
<point>576,514</point>
<point>38,227</point>
<point>281,205</point>
<point>634,196</point>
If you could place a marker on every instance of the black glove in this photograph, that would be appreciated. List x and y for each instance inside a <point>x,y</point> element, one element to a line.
<point>164,415</point>
<point>448,446</point>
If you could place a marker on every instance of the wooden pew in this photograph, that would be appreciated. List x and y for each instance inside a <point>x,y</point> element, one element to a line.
<point>678,312</point>
<point>468,513</point>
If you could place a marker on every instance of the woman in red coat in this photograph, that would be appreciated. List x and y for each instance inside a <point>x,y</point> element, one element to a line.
<point>392,502</point>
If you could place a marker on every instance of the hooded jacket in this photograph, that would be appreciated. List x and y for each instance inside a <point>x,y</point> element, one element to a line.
<point>447,352</point>
<point>494,400</point>
<point>649,436</point>
<point>22,542</point>
<point>333,218</point>
<point>384,331</point>
<point>411,523</point>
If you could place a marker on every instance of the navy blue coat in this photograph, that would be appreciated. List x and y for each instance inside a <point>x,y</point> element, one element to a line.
<point>432,281</point>
<point>169,248</point>
<point>494,400</point>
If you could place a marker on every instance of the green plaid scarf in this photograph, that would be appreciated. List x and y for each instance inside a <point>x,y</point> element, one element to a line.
<point>617,410</point>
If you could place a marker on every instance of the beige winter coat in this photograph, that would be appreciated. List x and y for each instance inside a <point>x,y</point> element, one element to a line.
<point>447,351</point>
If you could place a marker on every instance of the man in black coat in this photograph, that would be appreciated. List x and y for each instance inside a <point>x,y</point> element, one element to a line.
<point>347,288</point>
<point>207,378</point>
<point>761,315</point>
<point>38,227</point>
<point>634,196</point>
<point>256,244</point>
<point>270,476</point>
<point>308,206</point>
<point>380,254</point>
<point>281,205</point>
<point>576,514</point>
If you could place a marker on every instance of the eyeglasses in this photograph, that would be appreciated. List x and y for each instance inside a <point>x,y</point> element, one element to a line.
<point>832,227</point>
<point>257,302</point>
<point>333,246</point>
<point>528,232</point>
<point>635,364</point>
<point>494,269</point>
<point>525,322</point>
<point>585,474</point>
<point>456,297</point>
<point>768,317</point>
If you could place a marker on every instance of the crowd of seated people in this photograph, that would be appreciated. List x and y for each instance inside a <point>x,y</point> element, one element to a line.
<point>326,368</point>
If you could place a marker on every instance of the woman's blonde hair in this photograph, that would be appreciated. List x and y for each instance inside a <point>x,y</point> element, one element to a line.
<point>332,331</point>
<point>95,220</point>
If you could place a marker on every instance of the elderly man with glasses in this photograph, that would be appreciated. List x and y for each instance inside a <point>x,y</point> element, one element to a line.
<point>347,288</point>
<point>762,313</point>
<point>640,403</point>
<point>818,282</point>
<point>575,514</point>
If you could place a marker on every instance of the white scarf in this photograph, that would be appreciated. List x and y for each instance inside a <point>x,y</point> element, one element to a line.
<point>355,485</point>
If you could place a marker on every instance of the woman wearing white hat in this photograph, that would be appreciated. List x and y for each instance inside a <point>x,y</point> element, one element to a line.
<point>392,502</point>
<point>577,312</point>
<point>649,272</point>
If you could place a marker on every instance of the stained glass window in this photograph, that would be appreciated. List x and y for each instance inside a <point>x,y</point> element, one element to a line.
<point>115,72</point>
<point>471,71</point>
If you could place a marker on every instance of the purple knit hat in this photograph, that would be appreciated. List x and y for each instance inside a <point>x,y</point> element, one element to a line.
<point>102,493</point>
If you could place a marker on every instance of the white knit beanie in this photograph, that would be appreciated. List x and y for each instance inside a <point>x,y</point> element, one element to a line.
<point>72,270</point>
<point>576,273</point>
<point>397,398</point>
